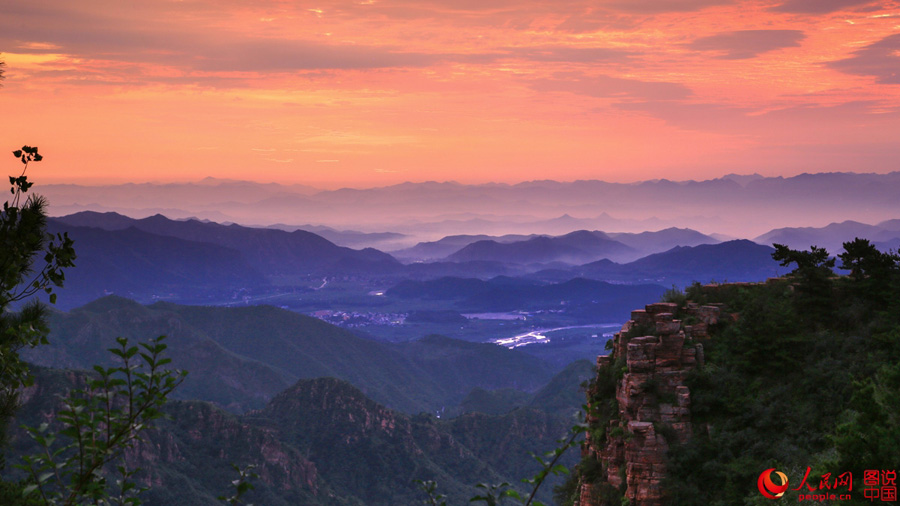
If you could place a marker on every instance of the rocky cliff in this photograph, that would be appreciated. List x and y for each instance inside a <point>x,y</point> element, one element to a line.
<point>648,365</point>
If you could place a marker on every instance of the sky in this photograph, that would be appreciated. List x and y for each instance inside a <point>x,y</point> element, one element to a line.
<point>375,92</point>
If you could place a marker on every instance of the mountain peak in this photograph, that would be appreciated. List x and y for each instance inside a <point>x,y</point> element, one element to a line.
<point>110,303</point>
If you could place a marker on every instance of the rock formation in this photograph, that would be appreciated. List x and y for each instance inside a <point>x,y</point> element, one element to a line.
<point>652,354</point>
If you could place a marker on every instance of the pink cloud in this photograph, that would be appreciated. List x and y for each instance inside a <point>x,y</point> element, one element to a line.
<point>743,44</point>
<point>880,59</point>
<point>818,6</point>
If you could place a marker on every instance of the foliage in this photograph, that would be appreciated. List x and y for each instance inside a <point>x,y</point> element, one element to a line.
<point>602,399</point>
<point>814,259</point>
<point>675,295</point>
<point>813,274</point>
<point>23,239</point>
<point>863,259</point>
<point>640,330</point>
<point>807,377</point>
<point>98,424</point>
<point>872,273</point>
<point>430,488</point>
<point>241,485</point>
<point>11,493</point>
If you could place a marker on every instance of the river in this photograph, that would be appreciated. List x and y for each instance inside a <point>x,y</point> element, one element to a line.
<point>540,335</point>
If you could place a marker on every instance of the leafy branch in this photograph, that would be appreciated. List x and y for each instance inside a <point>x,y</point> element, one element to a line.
<point>23,239</point>
<point>430,488</point>
<point>99,423</point>
<point>21,228</point>
<point>241,485</point>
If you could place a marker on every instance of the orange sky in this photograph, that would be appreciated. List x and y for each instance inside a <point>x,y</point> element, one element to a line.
<point>375,92</point>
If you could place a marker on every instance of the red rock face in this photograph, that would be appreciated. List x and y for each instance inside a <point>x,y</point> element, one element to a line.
<point>653,401</point>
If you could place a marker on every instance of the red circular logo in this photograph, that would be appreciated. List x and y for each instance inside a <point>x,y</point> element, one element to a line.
<point>768,488</point>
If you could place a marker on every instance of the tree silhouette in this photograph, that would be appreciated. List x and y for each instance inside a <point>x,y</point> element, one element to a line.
<point>812,279</point>
<point>23,241</point>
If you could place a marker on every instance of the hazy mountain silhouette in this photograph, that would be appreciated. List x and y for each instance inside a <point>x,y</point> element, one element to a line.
<point>350,238</point>
<point>643,243</point>
<point>739,260</point>
<point>893,225</point>
<point>832,236</point>
<point>736,205</point>
<point>574,248</point>
<point>134,262</point>
<point>662,240</point>
<point>435,250</point>
<point>272,252</point>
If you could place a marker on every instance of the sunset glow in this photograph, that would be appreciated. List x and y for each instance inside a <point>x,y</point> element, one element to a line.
<point>376,92</point>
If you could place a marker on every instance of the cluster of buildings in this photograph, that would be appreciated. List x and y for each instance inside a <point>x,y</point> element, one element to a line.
<point>359,319</point>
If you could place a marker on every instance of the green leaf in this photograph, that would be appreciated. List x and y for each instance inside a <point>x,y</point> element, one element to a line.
<point>511,493</point>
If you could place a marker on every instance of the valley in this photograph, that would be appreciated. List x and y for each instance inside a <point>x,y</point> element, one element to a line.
<point>450,361</point>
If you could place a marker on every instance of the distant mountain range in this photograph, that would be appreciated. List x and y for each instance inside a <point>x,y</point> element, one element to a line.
<point>436,250</point>
<point>577,247</point>
<point>347,238</point>
<point>739,206</point>
<point>384,241</point>
<point>739,260</point>
<point>885,235</point>
<point>573,248</point>
<point>273,252</point>
<point>662,240</point>
<point>157,258</point>
<point>141,264</point>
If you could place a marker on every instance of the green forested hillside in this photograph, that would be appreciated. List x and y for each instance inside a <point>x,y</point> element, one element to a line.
<point>241,357</point>
<point>808,377</point>
<point>320,442</point>
<point>804,376</point>
<point>558,395</point>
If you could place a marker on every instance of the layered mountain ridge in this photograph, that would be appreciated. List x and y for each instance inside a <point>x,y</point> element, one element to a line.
<point>240,357</point>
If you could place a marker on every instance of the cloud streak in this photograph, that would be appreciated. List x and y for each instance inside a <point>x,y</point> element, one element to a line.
<point>880,59</point>
<point>744,44</point>
<point>818,6</point>
<point>444,89</point>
